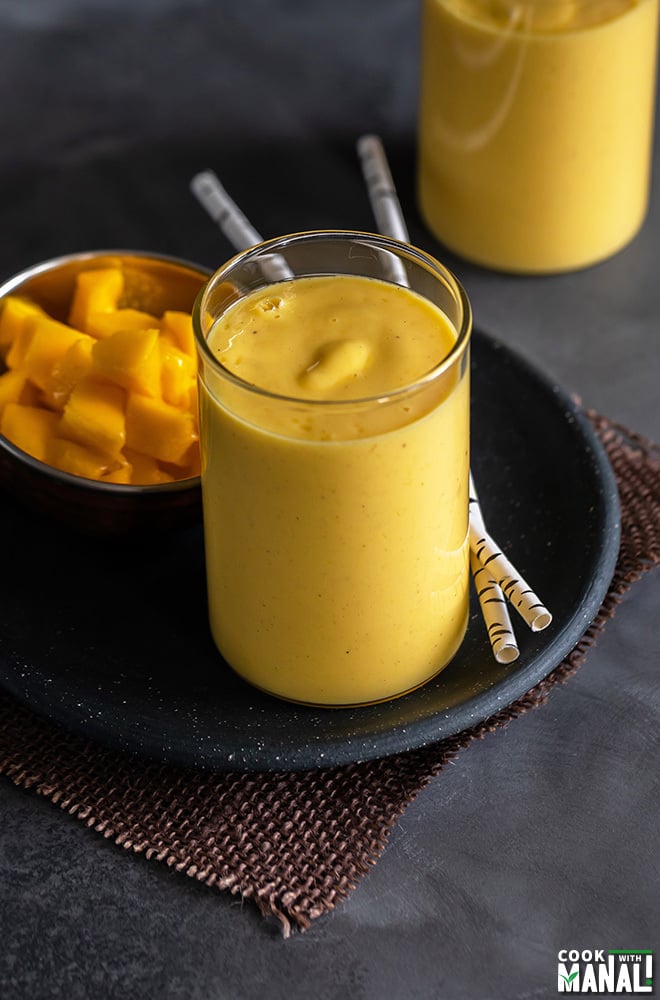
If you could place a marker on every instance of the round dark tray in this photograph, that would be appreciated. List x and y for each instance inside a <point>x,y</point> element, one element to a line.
<point>111,640</point>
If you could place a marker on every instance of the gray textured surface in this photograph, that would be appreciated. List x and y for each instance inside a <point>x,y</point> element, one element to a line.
<point>541,837</point>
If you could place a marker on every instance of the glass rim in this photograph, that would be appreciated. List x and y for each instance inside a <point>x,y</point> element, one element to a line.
<point>279,243</point>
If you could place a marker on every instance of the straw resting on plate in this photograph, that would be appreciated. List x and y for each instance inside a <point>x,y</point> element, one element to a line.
<point>491,597</point>
<point>503,572</point>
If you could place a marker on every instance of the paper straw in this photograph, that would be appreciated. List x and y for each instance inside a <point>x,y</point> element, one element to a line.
<point>502,570</point>
<point>515,587</point>
<point>390,220</point>
<point>389,217</point>
<point>237,228</point>
<point>384,200</point>
<point>491,597</point>
<point>495,613</point>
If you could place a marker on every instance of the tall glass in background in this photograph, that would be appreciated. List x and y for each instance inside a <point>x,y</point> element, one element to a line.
<point>535,128</point>
<point>336,529</point>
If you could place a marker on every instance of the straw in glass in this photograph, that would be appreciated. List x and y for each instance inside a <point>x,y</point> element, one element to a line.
<point>235,225</point>
<point>503,580</point>
<point>390,220</point>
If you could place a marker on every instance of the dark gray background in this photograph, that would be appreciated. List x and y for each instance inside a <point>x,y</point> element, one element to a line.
<point>541,837</point>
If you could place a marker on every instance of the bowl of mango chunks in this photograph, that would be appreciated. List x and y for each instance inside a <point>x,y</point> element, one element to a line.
<point>98,391</point>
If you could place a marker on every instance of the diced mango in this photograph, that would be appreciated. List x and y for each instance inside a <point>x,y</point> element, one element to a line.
<point>122,475</point>
<point>144,289</point>
<point>112,395</point>
<point>97,291</point>
<point>156,428</point>
<point>15,388</point>
<point>104,324</point>
<point>14,312</point>
<point>48,343</point>
<point>30,428</point>
<point>19,345</point>
<point>177,374</point>
<point>94,415</point>
<point>131,359</point>
<point>78,459</point>
<point>177,327</point>
<point>73,366</point>
<point>145,470</point>
<point>191,466</point>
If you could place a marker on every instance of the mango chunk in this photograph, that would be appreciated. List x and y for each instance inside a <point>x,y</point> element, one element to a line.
<point>177,373</point>
<point>104,324</point>
<point>15,388</point>
<point>14,314</point>
<point>156,428</point>
<point>94,416</point>
<point>177,327</point>
<point>97,291</point>
<point>44,347</point>
<point>73,366</point>
<point>145,470</point>
<point>335,363</point>
<point>131,359</point>
<point>18,348</point>
<point>77,459</point>
<point>121,475</point>
<point>30,428</point>
<point>191,466</point>
<point>144,289</point>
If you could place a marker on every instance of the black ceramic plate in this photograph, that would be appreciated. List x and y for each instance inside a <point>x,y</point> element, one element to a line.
<point>111,641</point>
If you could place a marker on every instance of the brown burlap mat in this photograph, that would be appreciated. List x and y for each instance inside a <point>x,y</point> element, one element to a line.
<point>295,843</point>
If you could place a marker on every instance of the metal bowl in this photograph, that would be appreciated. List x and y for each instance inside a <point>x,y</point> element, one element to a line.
<point>86,505</point>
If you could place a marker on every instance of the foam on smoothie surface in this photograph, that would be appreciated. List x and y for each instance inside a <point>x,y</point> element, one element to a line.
<point>331,337</point>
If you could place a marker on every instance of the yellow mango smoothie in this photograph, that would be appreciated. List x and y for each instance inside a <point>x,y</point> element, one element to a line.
<point>334,421</point>
<point>535,128</point>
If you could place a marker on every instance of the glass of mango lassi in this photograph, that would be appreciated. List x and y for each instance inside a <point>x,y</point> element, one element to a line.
<point>535,128</point>
<point>334,425</point>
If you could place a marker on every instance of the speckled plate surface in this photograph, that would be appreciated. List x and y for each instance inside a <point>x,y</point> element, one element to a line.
<point>111,640</point>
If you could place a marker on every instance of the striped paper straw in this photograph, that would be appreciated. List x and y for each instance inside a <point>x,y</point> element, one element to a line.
<point>234,224</point>
<point>495,613</point>
<point>514,587</point>
<point>492,591</point>
<point>491,597</point>
<point>380,185</point>
<point>502,570</point>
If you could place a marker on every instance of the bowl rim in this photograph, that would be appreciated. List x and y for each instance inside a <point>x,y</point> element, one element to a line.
<point>43,468</point>
<point>51,263</point>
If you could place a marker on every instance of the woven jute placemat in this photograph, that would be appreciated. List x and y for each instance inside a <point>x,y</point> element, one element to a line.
<point>295,843</point>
